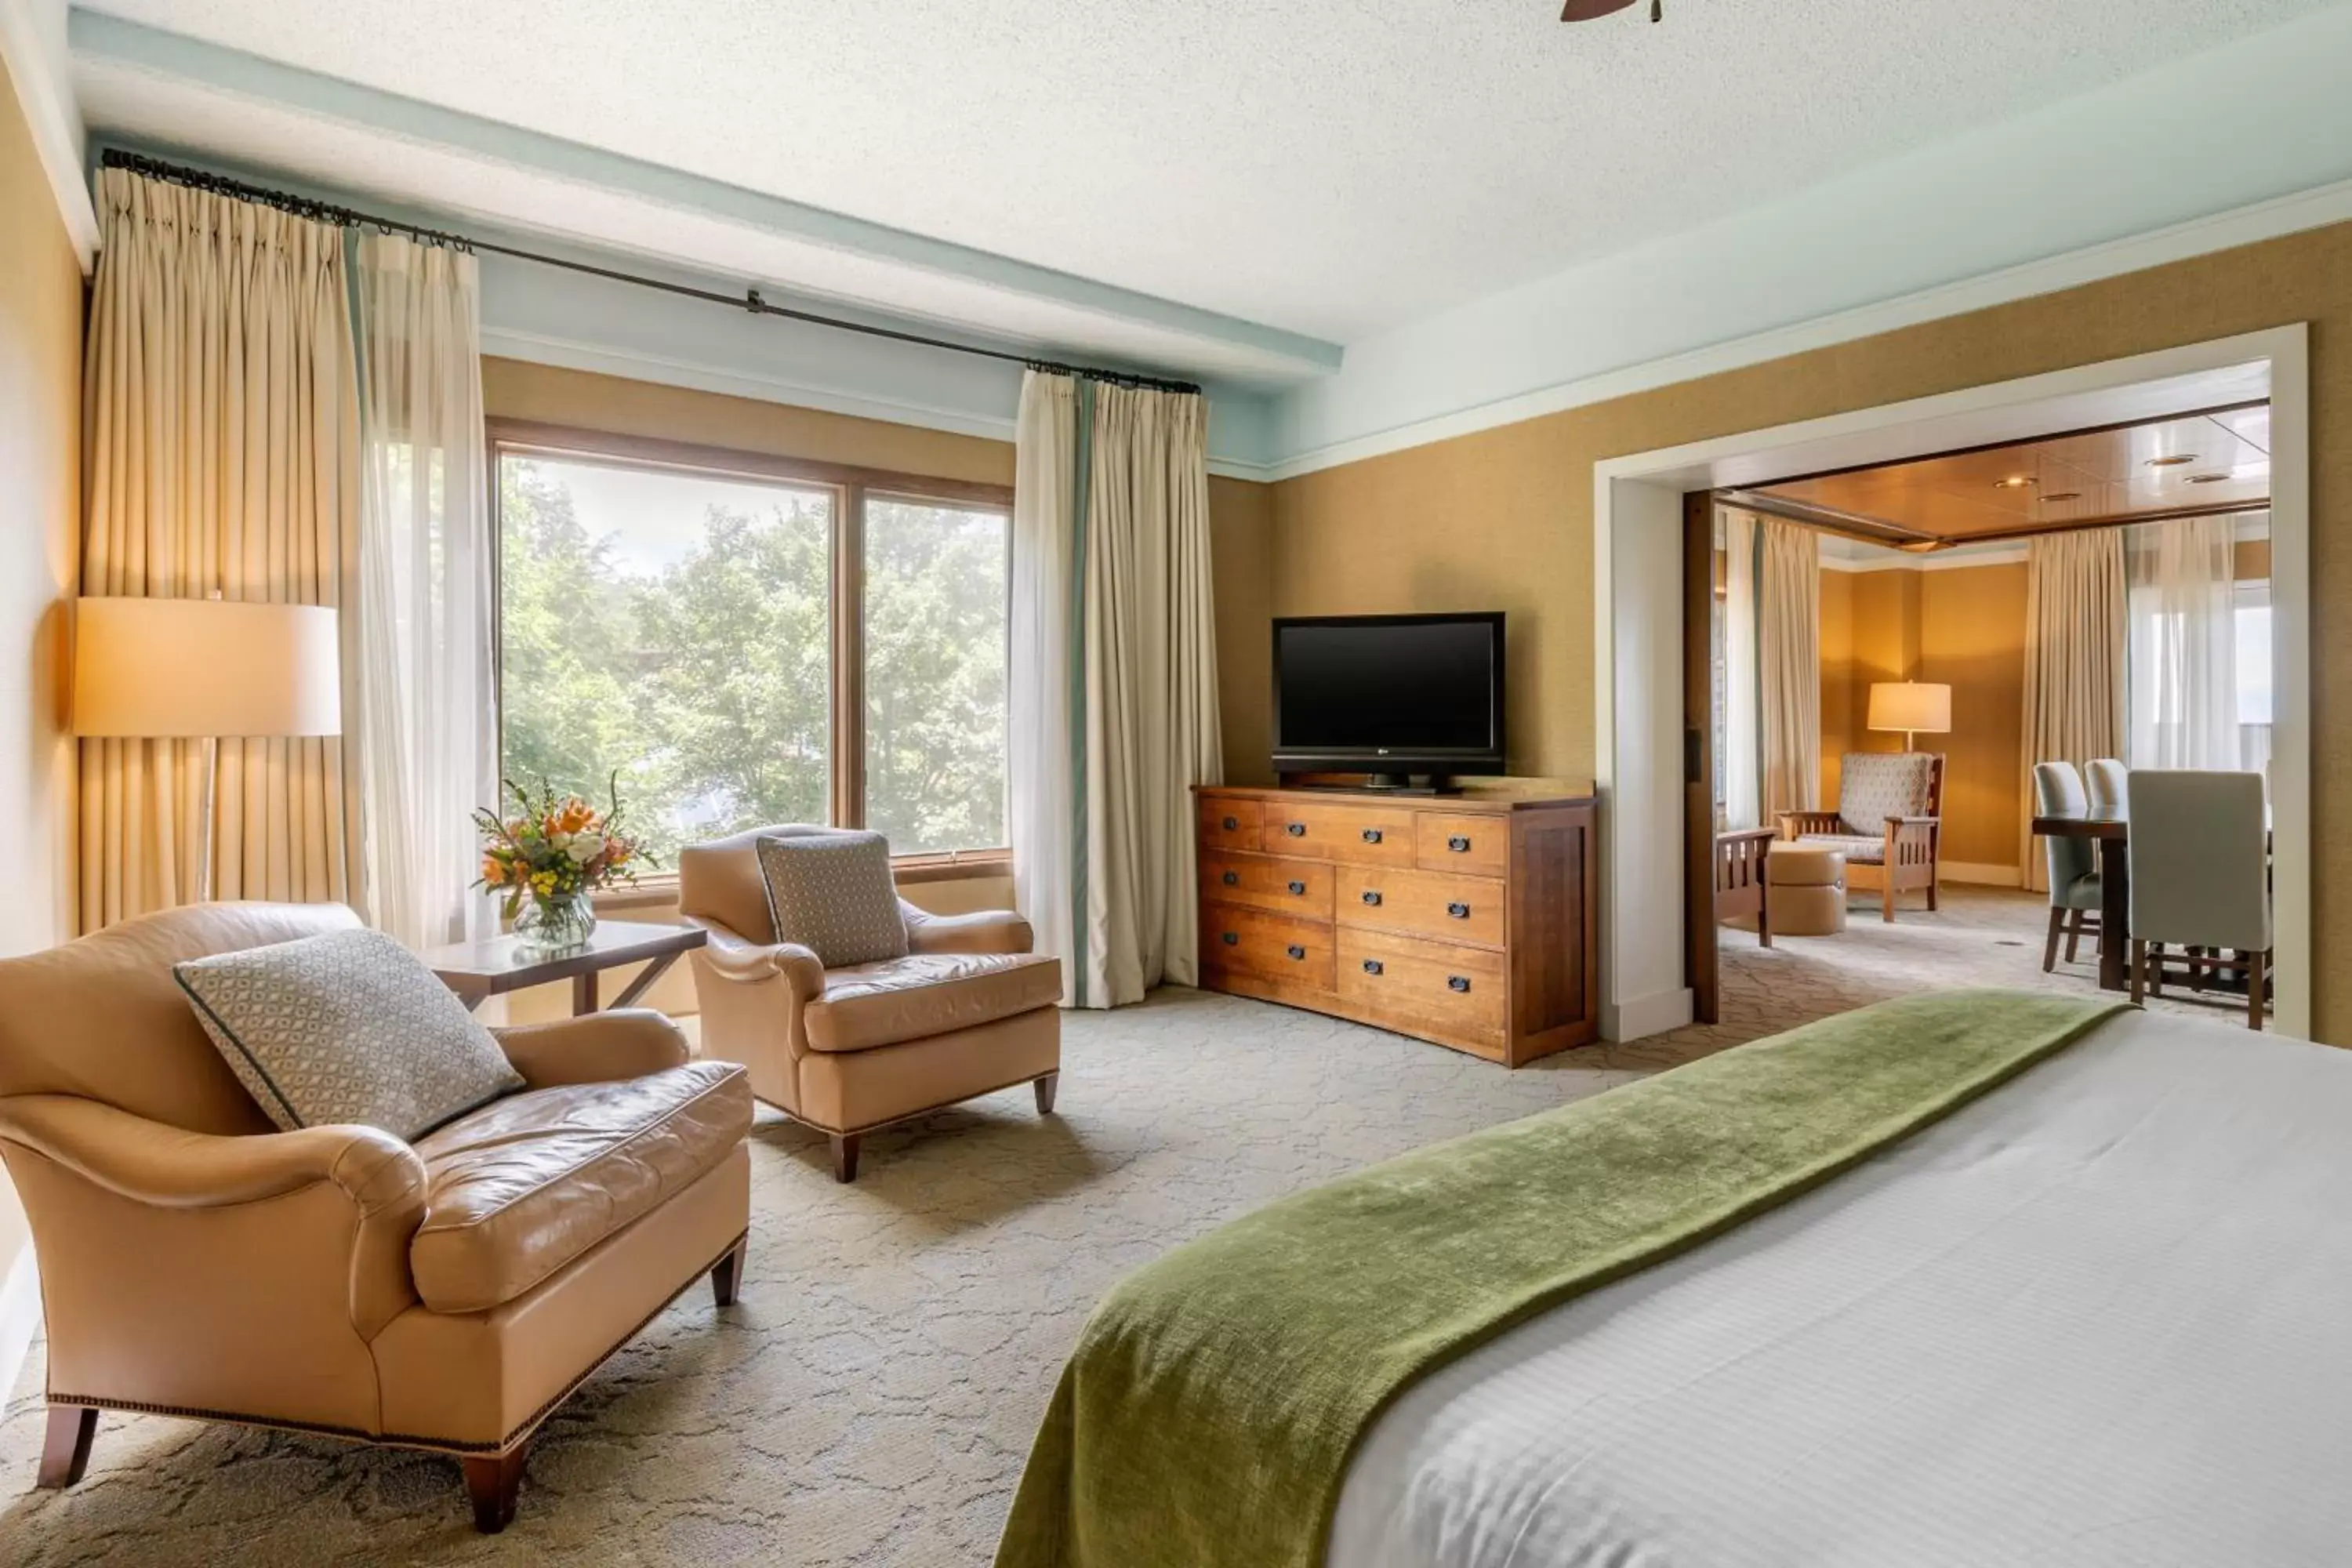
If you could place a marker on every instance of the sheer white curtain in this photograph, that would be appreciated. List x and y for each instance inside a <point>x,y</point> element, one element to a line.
<point>1743,749</point>
<point>428,748</point>
<point>2184,640</point>
<point>1114,712</point>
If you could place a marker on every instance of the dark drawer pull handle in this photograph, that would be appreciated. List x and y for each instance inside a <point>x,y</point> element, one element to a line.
<point>1371,836</point>
<point>1371,896</point>
<point>1457,983</point>
<point>1459,912</point>
<point>1299,889</point>
<point>1459,843</point>
<point>1371,966</point>
<point>1232,822</point>
<point>1296,951</point>
<point>1231,937</point>
<point>1233,878</point>
<point>1296,829</point>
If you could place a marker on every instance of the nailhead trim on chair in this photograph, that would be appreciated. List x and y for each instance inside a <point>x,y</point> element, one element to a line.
<point>400,1441</point>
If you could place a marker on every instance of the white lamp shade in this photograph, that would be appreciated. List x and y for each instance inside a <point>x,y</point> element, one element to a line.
<point>1910,705</point>
<point>194,668</point>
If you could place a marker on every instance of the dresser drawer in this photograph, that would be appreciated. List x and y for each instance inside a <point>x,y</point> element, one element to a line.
<point>1230,824</point>
<point>1363,835</point>
<point>1457,988</point>
<point>1480,846</point>
<point>1285,887</point>
<point>1273,947</point>
<point>1423,903</point>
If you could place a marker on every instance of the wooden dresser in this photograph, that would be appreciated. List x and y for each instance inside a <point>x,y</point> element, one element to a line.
<point>1466,920</point>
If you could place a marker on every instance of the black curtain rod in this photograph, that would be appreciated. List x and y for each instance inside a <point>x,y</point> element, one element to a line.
<point>327,212</point>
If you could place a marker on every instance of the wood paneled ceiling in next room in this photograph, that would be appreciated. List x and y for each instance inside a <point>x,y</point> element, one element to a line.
<point>2200,463</point>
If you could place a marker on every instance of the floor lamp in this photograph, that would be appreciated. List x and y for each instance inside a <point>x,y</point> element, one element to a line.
<point>204,669</point>
<point>1911,706</point>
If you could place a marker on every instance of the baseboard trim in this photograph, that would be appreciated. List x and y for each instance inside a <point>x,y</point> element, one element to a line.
<point>20,1314</point>
<point>1643,1016</point>
<point>1981,876</point>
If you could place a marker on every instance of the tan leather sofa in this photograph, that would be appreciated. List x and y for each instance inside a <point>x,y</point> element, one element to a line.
<point>968,1011</point>
<point>448,1296</point>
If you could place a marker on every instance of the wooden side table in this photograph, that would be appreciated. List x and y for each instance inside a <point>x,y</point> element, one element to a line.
<point>478,970</point>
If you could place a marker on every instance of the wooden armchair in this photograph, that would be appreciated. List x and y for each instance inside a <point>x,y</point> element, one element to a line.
<point>1739,887</point>
<point>1888,823</point>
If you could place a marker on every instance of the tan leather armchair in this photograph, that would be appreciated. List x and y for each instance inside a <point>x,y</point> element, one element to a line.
<point>970,1009</point>
<point>445,1295</point>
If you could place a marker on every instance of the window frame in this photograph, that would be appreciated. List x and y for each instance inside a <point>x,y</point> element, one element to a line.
<point>850,484</point>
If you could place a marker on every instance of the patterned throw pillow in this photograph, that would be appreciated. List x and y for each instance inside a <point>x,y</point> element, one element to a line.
<point>831,893</point>
<point>346,1028</point>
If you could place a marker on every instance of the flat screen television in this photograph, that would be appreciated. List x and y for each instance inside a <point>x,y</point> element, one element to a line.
<point>1390,696</point>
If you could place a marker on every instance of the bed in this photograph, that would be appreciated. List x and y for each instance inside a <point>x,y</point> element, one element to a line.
<point>2095,1316</point>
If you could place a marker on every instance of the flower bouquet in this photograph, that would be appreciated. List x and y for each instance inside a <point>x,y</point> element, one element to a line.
<point>550,857</point>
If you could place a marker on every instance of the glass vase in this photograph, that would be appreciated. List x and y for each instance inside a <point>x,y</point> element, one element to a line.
<point>555,924</point>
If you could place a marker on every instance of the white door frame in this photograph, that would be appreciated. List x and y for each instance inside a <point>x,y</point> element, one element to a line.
<point>1637,624</point>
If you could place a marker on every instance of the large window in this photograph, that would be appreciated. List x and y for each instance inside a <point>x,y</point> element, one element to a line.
<point>745,641</point>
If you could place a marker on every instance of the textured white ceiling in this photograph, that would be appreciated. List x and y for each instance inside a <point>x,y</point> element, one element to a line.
<point>1326,166</point>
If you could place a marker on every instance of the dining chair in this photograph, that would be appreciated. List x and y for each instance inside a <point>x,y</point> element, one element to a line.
<point>2105,779</point>
<point>2073,867</point>
<point>2199,878</point>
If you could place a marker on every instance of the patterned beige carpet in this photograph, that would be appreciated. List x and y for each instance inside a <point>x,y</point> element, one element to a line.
<point>870,1399</point>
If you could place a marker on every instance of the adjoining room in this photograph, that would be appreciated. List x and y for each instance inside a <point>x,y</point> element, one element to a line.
<point>1914,662</point>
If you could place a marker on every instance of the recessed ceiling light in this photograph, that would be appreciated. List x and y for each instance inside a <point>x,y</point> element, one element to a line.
<point>2210,478</point>
<point>2063,495</point>
<point>2015,482</point>
<point>2173,461</point>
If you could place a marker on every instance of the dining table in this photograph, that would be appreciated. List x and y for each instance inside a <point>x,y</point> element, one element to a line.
<point>2112,831</point>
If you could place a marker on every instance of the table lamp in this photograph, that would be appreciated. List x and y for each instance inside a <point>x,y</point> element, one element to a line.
<point>204,669</point>
<point>1911,706</point>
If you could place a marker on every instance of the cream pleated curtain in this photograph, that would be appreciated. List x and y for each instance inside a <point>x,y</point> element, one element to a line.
<point>1771,669</point>
<point>425,732</point>
<point>1045,771</point>
<point>221,451</point>
<point>2075,653</point>
<point>1114,713</point>
<point>1743,739</point>
<point>1788,667</point>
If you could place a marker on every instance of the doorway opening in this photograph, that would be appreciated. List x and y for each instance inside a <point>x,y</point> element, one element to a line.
<point>1893,665</point>
<point>1657,771</point>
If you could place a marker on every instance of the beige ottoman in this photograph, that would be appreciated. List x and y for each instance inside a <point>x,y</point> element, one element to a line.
<point>1804,891</point>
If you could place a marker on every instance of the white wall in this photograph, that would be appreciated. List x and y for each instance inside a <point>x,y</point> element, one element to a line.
<point>1638,631</point>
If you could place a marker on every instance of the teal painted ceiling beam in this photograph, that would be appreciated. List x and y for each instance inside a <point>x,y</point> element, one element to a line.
<point>102,39</point>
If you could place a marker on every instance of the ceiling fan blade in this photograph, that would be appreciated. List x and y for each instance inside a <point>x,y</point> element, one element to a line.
<point>1591,10</point>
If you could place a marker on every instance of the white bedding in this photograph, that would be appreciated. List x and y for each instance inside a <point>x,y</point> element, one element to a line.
<point>2102,1316</point>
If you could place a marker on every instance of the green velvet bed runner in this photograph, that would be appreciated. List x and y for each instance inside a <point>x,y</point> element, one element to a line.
<point>1216,1395</point>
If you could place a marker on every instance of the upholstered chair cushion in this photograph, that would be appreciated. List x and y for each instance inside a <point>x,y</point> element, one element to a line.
<point>2105,779</point>
<point>2073,867</point>
<point>2200,865</point>
<point>833,894</point>
<point>1875,785</point>
<point>522,1187</point>
<point>926,993</point>
<point>346,1028</point>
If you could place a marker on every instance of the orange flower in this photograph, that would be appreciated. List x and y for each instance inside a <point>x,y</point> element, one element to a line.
<point>494,871</point>
<point>574,816</point>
